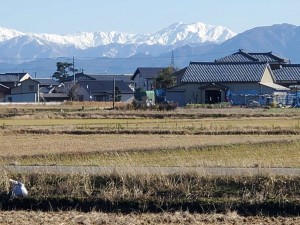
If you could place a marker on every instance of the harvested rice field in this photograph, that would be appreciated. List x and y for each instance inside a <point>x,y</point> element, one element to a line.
<point>92,134</point>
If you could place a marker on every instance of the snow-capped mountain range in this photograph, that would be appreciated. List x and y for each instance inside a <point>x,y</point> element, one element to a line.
<point>108,44</point>
<point>116,52</point>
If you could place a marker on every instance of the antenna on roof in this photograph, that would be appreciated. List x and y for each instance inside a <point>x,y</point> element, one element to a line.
<point>172,60</point>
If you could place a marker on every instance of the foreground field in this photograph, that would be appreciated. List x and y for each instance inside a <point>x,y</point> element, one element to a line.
<point>96,218</point>
<point>88,134</point>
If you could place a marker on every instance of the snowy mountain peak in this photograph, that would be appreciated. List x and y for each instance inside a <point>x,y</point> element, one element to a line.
<point>6,34</point>
<point>176,34</point>
<point>194,33</point>
<point>111,44</point>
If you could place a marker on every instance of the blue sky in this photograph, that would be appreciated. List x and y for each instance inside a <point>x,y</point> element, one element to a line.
<point>142,16</point>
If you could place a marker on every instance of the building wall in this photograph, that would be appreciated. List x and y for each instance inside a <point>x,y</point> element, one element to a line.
<point>237,93</point>
<point>27,86</point>
<point>139,81</point>
<point>143,83</point>
<point>176,96</point>
<point>267,77</point>
<point>28,97</point>
<point>83,95</point>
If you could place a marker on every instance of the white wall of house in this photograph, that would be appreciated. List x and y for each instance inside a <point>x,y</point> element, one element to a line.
<point>267,77</point>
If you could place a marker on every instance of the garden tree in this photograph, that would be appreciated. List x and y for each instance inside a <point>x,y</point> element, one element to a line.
<point>165,78</point>
<point>118,95</point>
<point>63,69</point>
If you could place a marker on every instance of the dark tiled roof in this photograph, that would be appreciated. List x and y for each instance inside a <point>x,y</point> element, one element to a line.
<point>242,56</point>
<point>179,72</point>
<point>147,72</point>
<point>95,86</point>
<point>268,57</point>
<point>44,90</point>
<point>237,57</point>
<point>289,72</point>
<point>85,77</point>
<point>206,72</point>
<point>46,81</point>
<point>111,77</point>
<point>9,78</point>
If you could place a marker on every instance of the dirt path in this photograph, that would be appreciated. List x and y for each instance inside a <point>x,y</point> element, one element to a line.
<point>220,171</point>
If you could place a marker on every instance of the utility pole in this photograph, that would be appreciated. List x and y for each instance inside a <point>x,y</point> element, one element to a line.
<point>172,60</point>
<point>114,92</point>
<point>74,70</point>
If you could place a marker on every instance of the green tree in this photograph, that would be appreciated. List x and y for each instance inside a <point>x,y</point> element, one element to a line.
<point>165,78</point>
<point>62,72</point>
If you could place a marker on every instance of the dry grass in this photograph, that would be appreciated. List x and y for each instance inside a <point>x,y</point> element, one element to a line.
<point>98,218</point>
<point>266,154</point>
<point>220,124</point>
<point>250,150</point>
<point>27,144</point>
<point>126,193</point>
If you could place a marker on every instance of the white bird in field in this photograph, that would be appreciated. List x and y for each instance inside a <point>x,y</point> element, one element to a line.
<point>19,190</point>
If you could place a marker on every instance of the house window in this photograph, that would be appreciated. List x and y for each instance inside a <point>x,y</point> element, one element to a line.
<point>31,88</point>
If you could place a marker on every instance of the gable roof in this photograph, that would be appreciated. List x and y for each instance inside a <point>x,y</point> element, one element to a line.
<point>242,56</point>
<point>288,72</point>
<point>11,77</point>
<point>207,72</point>
<point>269,57</point>
<point>110,77</point>
<point>46,81</point>
<point>84,77</point>
<point>147,72</point>
<point>96,86</point>
<point>4,88</point>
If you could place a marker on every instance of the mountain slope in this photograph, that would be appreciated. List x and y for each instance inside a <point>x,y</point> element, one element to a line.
<point>282,39</point>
